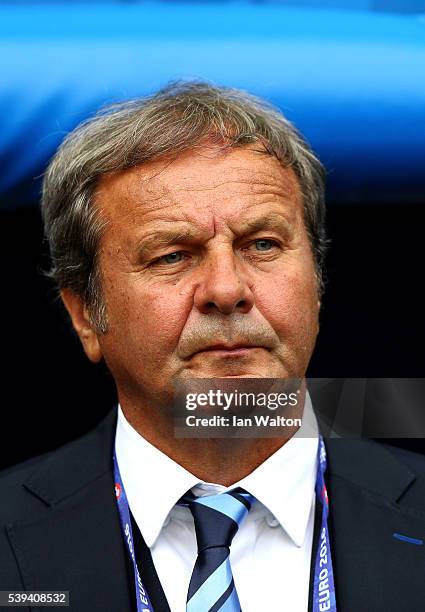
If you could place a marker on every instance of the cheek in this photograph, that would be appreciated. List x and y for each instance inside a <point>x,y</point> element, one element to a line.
<point>289,303</point>
<point>151,318</point>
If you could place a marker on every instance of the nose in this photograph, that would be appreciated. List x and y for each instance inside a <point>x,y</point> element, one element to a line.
<point>223,286</point>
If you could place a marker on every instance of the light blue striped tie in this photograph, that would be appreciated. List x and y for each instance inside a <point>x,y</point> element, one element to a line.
<point>217,519</point>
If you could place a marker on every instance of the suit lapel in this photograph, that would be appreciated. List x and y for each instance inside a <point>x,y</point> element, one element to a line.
<point>74,542</point>
<point>78,547</point>
<point>373,569</point>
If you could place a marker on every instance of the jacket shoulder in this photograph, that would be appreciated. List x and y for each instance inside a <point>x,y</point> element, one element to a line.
<point>68,462</point>
<point>33,489</point>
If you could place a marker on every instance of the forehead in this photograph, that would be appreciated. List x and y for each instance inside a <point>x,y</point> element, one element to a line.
<point>234,183</point>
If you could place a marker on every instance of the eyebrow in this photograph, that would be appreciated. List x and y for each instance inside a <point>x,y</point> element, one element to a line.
<point>162,238</point>
<point>271,221</point>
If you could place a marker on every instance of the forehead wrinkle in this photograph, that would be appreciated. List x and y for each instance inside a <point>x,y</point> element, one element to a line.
<point>257,182</point>
<point>142,209</point>
<point>124,201</point>
<point>152,192</point>
<point>182,216</point>
<point>148,196</point>
<point>260,177</point>
<point>142,206</point>
<point>261,195</point>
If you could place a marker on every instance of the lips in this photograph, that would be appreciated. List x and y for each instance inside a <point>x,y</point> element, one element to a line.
<point>229,348</point>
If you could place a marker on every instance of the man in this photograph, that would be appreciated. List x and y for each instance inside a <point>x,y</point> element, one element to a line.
<point>187,240</point>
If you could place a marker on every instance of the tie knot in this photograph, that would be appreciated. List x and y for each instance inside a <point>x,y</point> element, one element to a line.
<point>218,517</point>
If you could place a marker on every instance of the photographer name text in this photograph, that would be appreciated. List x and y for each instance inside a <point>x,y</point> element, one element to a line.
<point>236,421</point>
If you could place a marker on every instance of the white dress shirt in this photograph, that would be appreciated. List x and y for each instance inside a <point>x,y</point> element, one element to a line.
<point>271,552</point>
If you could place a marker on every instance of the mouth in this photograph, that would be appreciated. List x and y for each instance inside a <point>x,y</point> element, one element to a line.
<point>235,350</point>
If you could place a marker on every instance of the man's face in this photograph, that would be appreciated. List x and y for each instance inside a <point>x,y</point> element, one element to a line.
<point>209,250</point>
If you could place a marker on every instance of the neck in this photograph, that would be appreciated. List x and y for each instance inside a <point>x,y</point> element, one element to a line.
<point>222,461</point>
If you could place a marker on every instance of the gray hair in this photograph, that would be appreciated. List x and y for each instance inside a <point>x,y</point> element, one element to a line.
<point>179,117</point>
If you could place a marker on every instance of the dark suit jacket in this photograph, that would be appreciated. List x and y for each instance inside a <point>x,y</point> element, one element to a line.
<point>60,529</point>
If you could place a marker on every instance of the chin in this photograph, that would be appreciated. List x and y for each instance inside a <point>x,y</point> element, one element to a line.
<point>237,371</point>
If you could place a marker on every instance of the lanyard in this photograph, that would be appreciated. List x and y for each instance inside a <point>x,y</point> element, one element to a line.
<point>142,599</point>
<point>323,586</point>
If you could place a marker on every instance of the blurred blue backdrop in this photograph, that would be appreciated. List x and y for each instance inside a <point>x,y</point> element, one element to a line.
<point>352,78</point>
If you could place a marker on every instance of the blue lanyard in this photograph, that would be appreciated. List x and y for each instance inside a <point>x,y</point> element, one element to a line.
<point>323,587</point>
<point>142,598</point>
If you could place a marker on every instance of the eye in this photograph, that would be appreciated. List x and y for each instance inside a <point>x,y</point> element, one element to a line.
<point>263,244</point>
<point>171,258</point>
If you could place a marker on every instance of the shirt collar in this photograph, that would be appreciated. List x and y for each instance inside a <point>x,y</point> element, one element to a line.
<point>153,481</point>
<point>284,483</point>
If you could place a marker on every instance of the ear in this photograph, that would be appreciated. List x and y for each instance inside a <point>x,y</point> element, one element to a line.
<point>81,322</point>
